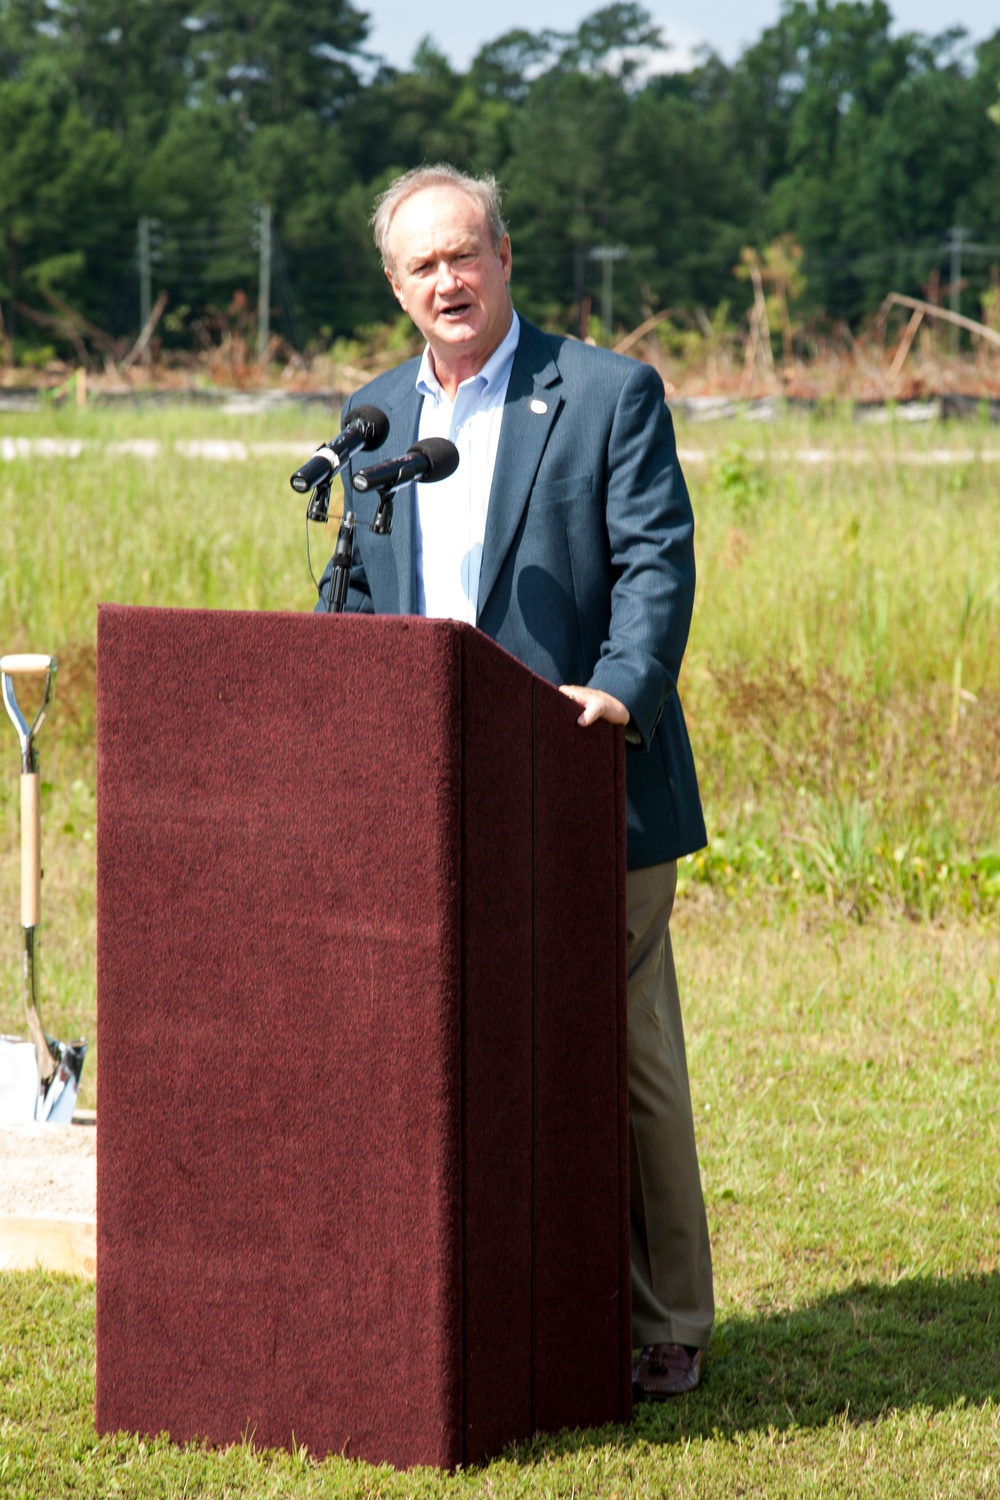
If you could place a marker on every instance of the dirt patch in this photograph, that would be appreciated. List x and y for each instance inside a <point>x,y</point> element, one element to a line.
<point>49,1170</point>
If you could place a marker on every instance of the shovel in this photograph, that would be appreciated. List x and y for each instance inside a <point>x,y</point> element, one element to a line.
<point>40,1077</point>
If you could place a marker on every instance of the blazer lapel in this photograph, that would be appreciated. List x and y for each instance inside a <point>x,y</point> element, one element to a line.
<point>530,408</point>
<point>389,560</point>
<point>407,421</point>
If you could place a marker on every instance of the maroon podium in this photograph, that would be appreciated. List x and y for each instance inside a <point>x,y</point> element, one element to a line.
<point>362,1134</point>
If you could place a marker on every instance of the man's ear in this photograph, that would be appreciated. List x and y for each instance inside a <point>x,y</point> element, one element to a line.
<point>397,290</point>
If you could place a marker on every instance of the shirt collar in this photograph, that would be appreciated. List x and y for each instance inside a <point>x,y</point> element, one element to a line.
<point>495,371</point>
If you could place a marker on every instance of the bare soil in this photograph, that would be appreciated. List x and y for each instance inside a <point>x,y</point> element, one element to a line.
<point>49,1171</point>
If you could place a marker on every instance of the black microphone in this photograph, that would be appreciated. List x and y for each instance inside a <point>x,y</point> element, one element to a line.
<point>367,428</point>
<point>434,458</point>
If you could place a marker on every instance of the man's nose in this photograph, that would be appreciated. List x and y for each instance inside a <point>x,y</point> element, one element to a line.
<point>447,277</point>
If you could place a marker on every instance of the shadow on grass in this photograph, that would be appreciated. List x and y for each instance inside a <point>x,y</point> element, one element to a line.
<point>856,1354</point>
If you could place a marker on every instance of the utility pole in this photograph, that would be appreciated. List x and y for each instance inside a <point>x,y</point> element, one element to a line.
<point>264,282</point>
<point>145,273</point>
<point>607,255</point>
<point>146,257</point>
<point>956,238</point>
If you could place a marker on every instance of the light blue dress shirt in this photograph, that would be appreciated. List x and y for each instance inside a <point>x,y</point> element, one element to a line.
<point>450,515</point>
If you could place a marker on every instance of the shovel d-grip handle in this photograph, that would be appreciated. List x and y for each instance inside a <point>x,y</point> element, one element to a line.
<point>26,664</point>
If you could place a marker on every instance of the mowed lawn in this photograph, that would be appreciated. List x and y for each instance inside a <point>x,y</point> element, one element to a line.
<point>838,942</point>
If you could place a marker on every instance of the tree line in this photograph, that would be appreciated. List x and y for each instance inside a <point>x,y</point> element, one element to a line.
<point>627,190</point>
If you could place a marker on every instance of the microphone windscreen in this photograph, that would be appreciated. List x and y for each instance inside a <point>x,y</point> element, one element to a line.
<point>441,455</point>
<point>375,424</point>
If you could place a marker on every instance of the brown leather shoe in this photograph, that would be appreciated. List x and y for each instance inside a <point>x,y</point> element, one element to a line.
<point>664,1370</point>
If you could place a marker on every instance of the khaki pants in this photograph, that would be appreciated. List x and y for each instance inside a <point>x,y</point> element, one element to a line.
<point>672,1301</point>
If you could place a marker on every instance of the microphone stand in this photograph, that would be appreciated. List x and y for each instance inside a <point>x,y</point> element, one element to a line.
<point>340,577</point>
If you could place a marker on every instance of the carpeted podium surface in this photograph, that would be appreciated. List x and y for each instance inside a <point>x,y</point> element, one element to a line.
<point>362,1151</point>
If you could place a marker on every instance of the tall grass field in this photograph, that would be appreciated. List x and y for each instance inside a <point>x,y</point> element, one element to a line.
<point>838,941</point>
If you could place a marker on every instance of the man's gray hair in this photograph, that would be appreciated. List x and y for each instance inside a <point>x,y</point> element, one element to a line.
<point>484,190</point>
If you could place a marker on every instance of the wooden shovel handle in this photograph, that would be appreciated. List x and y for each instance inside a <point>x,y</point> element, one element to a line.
<point>31,844</point>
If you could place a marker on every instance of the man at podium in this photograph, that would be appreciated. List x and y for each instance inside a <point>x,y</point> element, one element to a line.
<point>565,534</point>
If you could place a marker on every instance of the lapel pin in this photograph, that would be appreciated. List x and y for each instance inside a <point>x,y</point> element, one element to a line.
<point>539,408</point>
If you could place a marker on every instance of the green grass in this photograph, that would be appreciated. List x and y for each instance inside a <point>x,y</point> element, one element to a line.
<point>847,1105</point>
<point>838,946</point>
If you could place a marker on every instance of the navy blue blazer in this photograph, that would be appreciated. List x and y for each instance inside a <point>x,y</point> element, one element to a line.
<point>588,570</point>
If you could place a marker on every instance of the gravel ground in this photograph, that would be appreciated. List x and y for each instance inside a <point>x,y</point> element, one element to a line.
<point>49,1170</point>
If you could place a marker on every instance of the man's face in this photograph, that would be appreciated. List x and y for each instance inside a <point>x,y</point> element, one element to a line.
<point>448,277</point>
